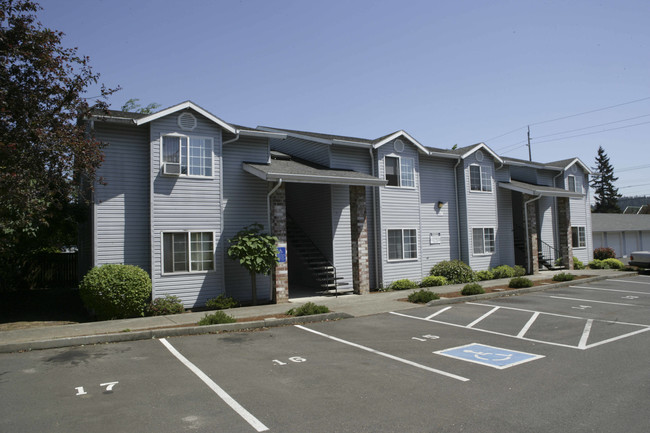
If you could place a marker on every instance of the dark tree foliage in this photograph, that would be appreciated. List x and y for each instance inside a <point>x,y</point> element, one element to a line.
<point>133,106</point>
<point>605,193</point>
<point>43,147</point>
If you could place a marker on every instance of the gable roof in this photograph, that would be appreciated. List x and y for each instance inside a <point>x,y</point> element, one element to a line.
<point>182,106</point>
<point>565,164</point>
<point>466,151</point>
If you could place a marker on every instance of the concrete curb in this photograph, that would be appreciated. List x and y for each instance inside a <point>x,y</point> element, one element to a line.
<point>515,292</point>
<point>166,332</point>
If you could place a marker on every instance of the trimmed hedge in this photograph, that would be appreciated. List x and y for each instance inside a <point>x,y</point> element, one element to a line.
<point>520,282</point>
<point>503,271</point>
<point>433,281</point>
<point>116,291</point>
<point>170,304</point>
<point>606,264</point>
<point>403,284</point>
<point>472,289</point>
<point>221,302</point>
<point>216,318</point>
<point>423,296</point>
<point>308,309</point>
<point>484,275</point>
<point>604,253</point>
<point>563,276</point>
<point>455,271</point>
<point>520,271</point>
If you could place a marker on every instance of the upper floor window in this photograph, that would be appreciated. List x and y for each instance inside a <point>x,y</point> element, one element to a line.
<point>483,240</point>
<point>188,252</point>
<point>400,171</point>
<point>574,183</point>
<point>480,178</point>
<point>184,155</point>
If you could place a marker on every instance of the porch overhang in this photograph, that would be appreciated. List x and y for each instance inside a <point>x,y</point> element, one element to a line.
<point>292,171</point>
<point>539,190</point>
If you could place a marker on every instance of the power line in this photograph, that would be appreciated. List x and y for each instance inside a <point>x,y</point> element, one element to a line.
<point>632,186</point>
<point>593,126</point>
<point>591,133</point>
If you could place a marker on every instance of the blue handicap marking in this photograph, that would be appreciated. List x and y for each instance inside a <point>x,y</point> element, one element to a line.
<point>282,254</point>
<point>488,355</point>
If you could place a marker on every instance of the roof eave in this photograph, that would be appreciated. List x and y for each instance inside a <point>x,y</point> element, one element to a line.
<point>183,106</point>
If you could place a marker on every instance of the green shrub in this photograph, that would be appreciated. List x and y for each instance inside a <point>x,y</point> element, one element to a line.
<point>403,285</point>
<point>221,302</point>
<point>503,271</point>
<point>472,289</point>
<point>484,275</point>
<point>455,271</point>
<point>520,271</point>
<point>116,291</point>
<point>563,276</point>
<point>423,296</point>
<point>519,282</point>
<point>604,253</point>
<point>597,264</point>
<point>216,318</point>
<point>170,304</point>
<point>308,309</point>
<point>433,281</point>
<point>613,264</point>
<point>577,264</point>
<point>629,268</point>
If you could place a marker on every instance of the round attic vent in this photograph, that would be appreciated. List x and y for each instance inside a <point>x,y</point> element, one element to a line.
<point>479,156</point>
<point>398,145</point>
<point>187,121</point>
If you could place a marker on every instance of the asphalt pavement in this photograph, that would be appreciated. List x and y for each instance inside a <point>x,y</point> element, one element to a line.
<point>341,307</point>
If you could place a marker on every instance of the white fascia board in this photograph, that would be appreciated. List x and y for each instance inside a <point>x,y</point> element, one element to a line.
<point>444,155</point>
<point>538,166</point>
<point>487,149</point>
<point>251,133</point>
<point>533,191</point>
<point>402,133</point>
<point>305,178</point>
<point>296,135</point>
<point>183,106</point>
<point>581,164</point>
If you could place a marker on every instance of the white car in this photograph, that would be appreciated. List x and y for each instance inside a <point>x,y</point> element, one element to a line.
<point>640,259</point>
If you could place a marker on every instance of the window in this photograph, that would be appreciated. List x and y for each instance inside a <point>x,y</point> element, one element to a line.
<point>402,244</point>
<point>192,155</point>
<point>483,240</point>
<point>480,178</point>
<point>575,183</point>
<point>578,237</point>
<point>188,252</point>
<point>400,171</point>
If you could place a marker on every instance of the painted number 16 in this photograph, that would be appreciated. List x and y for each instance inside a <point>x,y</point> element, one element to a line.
<point>292,359</point>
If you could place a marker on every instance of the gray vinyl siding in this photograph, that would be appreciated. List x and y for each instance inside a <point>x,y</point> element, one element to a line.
<point>437,184</point>
<point>505,241</point>
<point>186,204</point>
<point>483,214</point>
<point>121,203</point>
<point>502,174</point>
<point>463,188</point>
<point>358,159</point>
<point>341,230</point>
<point>524,174</point>
<point>400,209</point>
<point>581,215</point>
<point>244,204</point>
<point>309,150</point>
<point>546,211</point>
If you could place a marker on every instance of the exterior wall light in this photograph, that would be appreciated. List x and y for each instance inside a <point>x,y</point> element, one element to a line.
<point>440,205</point>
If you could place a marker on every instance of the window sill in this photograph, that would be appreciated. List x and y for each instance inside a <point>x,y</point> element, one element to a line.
<point>402,260</point>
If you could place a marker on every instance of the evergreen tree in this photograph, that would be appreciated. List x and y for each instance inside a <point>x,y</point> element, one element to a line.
<point>605,193</point>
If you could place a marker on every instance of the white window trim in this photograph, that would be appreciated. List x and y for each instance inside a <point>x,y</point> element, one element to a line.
<point>195,176</point>
<point>399,168</point>
<point>417,246</point>
<point>494,230</point>
<point>189,251</point>
<point>481,169</point>
<point>575,247</point>
<point>577,188</point>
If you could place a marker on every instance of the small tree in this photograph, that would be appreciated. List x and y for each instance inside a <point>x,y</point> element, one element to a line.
<point>256,251</point>
<point>605,193</point>
<point>133,106</point>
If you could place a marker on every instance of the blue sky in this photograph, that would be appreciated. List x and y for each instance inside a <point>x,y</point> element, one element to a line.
<point>456,72</point>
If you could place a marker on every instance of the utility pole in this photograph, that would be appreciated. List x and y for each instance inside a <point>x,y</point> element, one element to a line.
<point>530,156</point>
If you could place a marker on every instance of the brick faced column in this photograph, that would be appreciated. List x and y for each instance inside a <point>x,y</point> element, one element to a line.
<point>564,227</point>
<point>531,223</point>
<point>279,229</point>
<point>359,236</point>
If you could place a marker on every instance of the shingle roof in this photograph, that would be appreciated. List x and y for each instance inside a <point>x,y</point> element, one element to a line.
<point>532,189</point>
<point>616,222</point>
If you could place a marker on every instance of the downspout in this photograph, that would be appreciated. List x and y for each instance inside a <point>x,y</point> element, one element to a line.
<point>457,212</point>
<point>374,218</point>
<point>232,140</point>
<point>529,262</point>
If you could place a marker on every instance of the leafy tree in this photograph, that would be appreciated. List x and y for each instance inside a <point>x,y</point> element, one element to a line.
<point>605,193</point>
<point>256,251</point>
<point>44,150</point>
<point>132,106</point>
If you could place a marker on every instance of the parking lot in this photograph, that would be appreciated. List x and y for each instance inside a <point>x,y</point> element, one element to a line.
<point>567,359</point>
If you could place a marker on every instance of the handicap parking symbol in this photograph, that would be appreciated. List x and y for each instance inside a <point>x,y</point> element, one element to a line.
<point>488,355</point>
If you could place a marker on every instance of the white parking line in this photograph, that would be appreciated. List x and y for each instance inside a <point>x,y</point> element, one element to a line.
<point>627,281</point>
<point>609,340</point>
<point>528,324</point>
<point>386,355</point>
<point>482,317</point>
<point>438,312</point>
<point>609,290</point>
<point>585,334</point>
<point>254,422</point>
<point>588,300</point>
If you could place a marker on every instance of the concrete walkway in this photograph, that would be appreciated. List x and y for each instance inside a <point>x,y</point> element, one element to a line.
<point>185,324</point>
